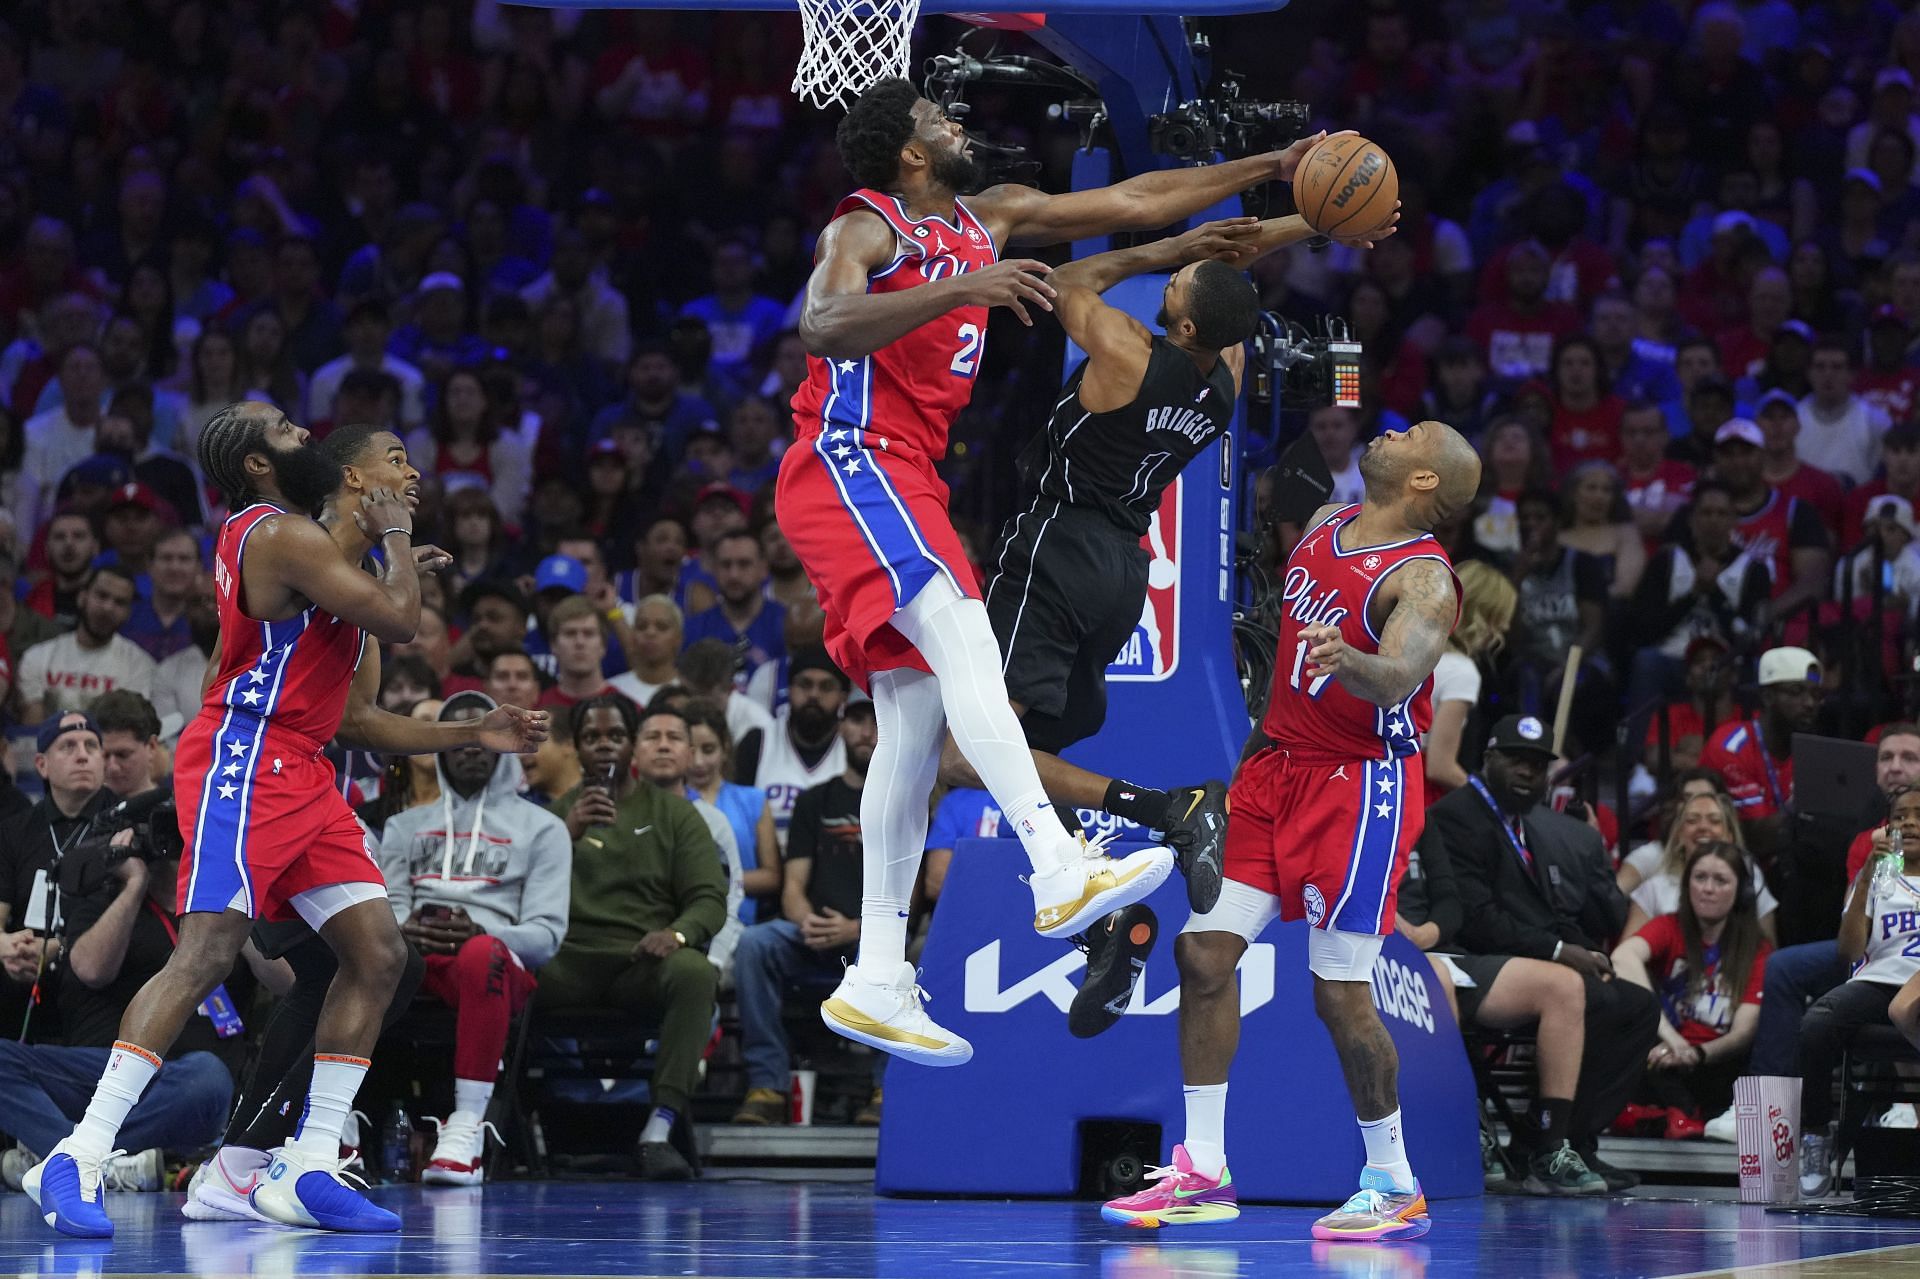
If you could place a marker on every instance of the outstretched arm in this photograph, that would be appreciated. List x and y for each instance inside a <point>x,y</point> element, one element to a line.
<point>1421,618</point>
<point>364,724</point>
<point>841,320</point>
<point>1024,215</point>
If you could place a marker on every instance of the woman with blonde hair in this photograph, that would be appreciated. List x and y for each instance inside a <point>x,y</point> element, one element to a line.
<point>1657,874</point>
<point>1487,601</point>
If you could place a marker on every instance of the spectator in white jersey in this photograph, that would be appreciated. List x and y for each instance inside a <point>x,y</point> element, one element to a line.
<point>804,748</point>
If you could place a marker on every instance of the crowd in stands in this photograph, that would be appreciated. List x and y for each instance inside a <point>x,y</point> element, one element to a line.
<point>1659,260</point>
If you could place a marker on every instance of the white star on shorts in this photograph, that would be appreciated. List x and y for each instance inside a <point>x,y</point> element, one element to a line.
<point>231,770</point>
<point>842,451</point>
<point>251,697</point>
<point>1383,809</point>
<point>1399,728</point>
<point>236,749</point>
<point>1386,785</point>
<point>853,466</point>
<point>258,677</point>
<point>848,366</point>
<point>228,790</point>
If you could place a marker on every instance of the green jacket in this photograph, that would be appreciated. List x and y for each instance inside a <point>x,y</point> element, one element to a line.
<point>655,867</point>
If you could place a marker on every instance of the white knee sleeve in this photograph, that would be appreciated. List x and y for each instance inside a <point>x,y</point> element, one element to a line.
<point>1338,956</point>
<point>955,636</point>
<point>1242,910</point>
<point>906,763</point>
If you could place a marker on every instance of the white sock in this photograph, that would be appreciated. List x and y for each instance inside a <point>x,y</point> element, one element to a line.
<point>130,1069</point>
<point>472,1095</point>
<point>911,729</point>
<point>336,1079</point>
<point>1387,1149</point>
<point>1206,1141</point>
<point>659,1125</point>
<point>955,637</point>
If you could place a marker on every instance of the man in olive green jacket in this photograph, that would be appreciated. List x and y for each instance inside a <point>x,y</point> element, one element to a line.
<point>648,895</point>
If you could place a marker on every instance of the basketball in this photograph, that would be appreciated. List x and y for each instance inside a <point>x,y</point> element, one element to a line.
<point>1346,186</point>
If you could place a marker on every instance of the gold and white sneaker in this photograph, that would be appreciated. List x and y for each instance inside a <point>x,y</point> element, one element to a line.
<point>889,1015</point>
<point>1070,899</point>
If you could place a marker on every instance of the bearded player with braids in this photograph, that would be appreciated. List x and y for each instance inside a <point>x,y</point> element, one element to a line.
<point>267,832</point>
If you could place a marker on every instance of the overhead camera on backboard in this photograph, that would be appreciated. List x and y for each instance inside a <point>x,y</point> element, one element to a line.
<point>1226,124</point>
<point>1309,370</point>
<point>949,74</point>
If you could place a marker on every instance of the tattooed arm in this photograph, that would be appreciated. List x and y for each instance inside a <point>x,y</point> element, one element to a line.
<point>1421,609</point>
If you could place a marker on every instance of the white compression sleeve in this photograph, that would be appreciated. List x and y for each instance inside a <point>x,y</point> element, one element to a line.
<point>955,637</point>
<point>893,811</point>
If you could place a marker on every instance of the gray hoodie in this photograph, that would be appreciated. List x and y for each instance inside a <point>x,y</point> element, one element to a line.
<point>504,860</point>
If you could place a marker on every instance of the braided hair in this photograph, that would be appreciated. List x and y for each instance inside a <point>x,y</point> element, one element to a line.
<point>225,441</point>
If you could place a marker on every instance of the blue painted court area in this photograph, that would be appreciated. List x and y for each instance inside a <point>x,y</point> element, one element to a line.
<point>769,1230</point>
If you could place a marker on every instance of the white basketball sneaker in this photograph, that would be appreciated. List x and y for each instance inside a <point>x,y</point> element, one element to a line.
<point>221,1186</point>
<point>1070,899</point>
<point>888,1015</point>
<point>460,1152</point>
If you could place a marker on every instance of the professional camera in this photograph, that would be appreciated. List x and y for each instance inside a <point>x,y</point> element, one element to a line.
<point>1311,369</point>
<point>1194,132</point>
<point>154,821</point>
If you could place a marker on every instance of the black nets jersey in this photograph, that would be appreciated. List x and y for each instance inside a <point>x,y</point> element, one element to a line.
<point>1118,463</point>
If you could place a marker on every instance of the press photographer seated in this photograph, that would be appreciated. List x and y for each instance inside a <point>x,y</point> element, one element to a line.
<point>109,896</point>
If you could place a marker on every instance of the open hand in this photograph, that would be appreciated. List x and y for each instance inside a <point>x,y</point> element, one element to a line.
<point>1373,237</point>
<point>1230,240</point>
<point>513,730</point>
<point>1012,282</point>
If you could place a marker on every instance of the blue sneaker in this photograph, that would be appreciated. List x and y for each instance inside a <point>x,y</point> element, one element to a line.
<point>299,1190</point>
<point>66,1189</point>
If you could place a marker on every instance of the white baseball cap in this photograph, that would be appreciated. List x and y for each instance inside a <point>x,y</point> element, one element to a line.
<point>1788,666</point>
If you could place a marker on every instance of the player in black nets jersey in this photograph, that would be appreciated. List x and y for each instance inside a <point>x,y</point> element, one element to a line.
<point>1071,579</point>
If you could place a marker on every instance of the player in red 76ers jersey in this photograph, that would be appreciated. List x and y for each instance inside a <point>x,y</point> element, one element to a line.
<point>895,320</point>
<point>267,832</point>
<point>1322,817</point>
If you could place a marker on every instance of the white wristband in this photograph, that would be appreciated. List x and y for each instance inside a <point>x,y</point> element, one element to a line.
<point>1557,948</point>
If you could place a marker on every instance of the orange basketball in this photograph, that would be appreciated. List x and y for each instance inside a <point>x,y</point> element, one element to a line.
<point>1346,186</point>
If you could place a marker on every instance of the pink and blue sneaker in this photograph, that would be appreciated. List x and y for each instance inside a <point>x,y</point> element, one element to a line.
<point>1377,1212</point>
<point>1179,1196</point>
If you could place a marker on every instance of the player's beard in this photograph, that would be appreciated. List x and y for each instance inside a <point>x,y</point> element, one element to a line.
<point>305,476</point>
<point>958,172</point>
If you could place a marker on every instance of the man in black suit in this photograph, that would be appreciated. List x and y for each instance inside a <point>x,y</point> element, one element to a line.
<point>1535,883</point>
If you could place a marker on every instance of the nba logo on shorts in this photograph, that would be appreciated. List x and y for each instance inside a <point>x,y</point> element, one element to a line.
<point>1154,651</point>
<point>1316,906</point>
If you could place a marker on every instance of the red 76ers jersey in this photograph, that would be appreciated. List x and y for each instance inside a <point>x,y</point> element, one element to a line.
<point>904,396</point>
<point>1326,585</point>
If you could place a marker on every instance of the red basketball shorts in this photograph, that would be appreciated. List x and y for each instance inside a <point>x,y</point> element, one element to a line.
<point>262,818</point>
<point>1327,837</point>
<point>870,528</point>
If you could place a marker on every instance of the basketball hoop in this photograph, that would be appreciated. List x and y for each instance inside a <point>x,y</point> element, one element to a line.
<point>850,44</point>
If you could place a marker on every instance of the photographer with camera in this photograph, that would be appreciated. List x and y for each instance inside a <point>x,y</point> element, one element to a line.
<point>111,870</point>
<point>68,759</point>
<point>130,743</point>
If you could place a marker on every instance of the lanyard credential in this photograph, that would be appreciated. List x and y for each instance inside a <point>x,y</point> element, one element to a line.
<point>218,1007</point>
<point>1773,774</point>
<point>1480,787</point>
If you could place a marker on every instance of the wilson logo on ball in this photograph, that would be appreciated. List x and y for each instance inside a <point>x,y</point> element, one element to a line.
<point>1363,175</point>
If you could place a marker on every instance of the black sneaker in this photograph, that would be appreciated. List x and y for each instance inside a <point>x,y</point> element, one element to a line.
<point>659,1161</point>
<point>1197,832</point>
<point>1617,1178</point>
<point>1117,949</point>
<point>1562,1171</point>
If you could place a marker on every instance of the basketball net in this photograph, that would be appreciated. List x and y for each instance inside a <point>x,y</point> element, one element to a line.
<point>849,44</point>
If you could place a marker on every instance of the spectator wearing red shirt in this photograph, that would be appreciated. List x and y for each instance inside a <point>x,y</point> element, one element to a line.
<point>1517,331</point>
<point>1888,382</point>
<point>1578,270</point>
<point>1744,350</point>
<point>579,647</point>
<point>1778,417</point>
<point>1706,963</point>
<point>1586,414</point>
<point>1900,458</point>
<point>1755,755</point>
<point>1654,484</point>
<point>1781,532</point>
<point>1708,706</point>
